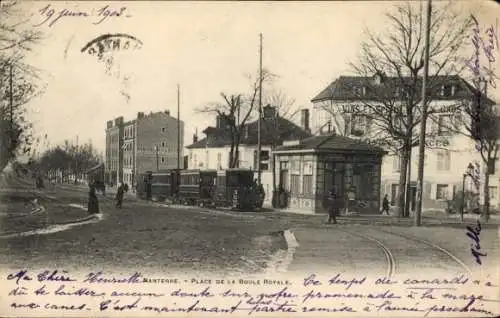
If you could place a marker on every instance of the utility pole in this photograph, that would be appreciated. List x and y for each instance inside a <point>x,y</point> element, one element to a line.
<point>423,123</point>
<point>259,146</point>
<point>178,128</point>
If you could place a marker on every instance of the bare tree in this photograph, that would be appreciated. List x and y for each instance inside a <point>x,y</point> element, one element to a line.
<point>235,112</point>
<point>19,82</point>
<point>392,100</point>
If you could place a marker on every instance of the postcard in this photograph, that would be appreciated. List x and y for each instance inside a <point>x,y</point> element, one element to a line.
<point>198,158</point>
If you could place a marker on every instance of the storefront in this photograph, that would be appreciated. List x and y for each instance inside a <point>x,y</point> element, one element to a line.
<point>309,169</point>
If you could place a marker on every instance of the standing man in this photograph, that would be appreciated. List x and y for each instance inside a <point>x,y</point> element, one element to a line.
<point>119,196</point>
<point>332,207</point>
<point>385,205</point>
<point>93,203</point>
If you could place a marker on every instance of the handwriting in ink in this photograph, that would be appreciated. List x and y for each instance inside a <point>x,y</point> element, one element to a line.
<point>487,46</point>
<point>22,274</point>
<point>474,235</point>
<point>348,283</point>
<point>54,276</point>
<point>50,16</point>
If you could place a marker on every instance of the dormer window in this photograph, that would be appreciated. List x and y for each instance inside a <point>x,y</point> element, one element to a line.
<point>446,90</point>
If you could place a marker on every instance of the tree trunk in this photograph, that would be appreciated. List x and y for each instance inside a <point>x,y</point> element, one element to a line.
<point>408,185</point>
<point>486,198</point>
<point>402,182</point>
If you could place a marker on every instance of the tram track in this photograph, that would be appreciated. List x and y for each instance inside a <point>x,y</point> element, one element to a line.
<point>432,245</point>
<point>391,262</point>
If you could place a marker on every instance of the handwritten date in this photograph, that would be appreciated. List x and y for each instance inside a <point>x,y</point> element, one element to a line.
<point>50,16</point>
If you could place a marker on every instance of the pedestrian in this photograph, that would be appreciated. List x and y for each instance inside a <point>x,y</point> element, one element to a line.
<point>119,196</point>
<point>261,194</point>
<point>332,207</point>
<point>93,204</point>
<point>385,205</point>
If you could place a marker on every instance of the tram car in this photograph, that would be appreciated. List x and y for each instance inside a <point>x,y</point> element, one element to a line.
<point>235,188</point>
<point>165,185</point>
<point>196,187</point>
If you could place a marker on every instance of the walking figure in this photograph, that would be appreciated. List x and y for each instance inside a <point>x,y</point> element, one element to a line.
<point>119,196</point>
<point>93,204</point>
<point>333,209</point>
<point>385,205</point>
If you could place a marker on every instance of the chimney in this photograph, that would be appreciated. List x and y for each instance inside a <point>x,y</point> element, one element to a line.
<point>268,112</point>
<point>329,126</point>
<point>119,121</point>
<point>304,120</point>
<point>167,112</point>
<point>218,123</point>
<point>140,115</point>
<point>195,136</point>
<point>109,124</point>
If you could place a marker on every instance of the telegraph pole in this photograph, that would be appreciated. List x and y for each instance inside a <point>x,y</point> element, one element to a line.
<point>423,123</point>
<point>178,128</point>
<point>259,145</point>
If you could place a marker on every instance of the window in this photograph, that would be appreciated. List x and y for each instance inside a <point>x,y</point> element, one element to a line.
<point>443,160</point>
<point>493,193</point>
<point>358,125</point>
<point>219,160</point>
<point>163,144</point>
<point>162,159</point>
<point>396,163</point>
<point>307,185</point>
<point>444,125</point>
<point>295,184</point>
<point>295,165</point>
<point>441,192</point>
<point>446,90</point>
<point>162,129</point>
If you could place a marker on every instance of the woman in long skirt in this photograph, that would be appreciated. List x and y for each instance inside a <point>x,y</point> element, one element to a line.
<point>93,204</point>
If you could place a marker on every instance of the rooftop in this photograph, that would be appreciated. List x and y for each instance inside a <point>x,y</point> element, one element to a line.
<point>368,88</point>
<point>332,142</point>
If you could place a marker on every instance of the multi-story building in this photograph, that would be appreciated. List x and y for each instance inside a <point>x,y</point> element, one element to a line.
<point>114,155</point>
<point>213,151</point>
<point>342,105</point>
<point>146,143</point>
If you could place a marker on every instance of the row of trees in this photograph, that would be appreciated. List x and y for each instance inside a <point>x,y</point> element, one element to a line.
<point>68,159</point>
<point>19,81</point>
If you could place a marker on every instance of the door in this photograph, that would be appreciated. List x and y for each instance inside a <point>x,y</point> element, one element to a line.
<point>413,197</point>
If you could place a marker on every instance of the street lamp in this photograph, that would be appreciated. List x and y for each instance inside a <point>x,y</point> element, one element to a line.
<point>468,172</point>
<point>157,164</point>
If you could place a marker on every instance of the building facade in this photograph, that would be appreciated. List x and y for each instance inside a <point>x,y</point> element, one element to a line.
<point>213,151</point>
<point>342,106</point>
<point>310,168</point>
<point>113,153</point>
<point>147,143</point>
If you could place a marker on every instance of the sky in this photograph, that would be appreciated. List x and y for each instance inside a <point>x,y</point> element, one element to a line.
<point>205,47</point>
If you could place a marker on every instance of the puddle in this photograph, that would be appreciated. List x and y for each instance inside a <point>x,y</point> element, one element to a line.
<point>57,227</point>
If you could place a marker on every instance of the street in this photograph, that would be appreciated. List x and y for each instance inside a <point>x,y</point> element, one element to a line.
<point>153,236</point>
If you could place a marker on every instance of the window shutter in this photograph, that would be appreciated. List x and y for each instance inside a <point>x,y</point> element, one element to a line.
<point>433,191</point>
<point>450,192</point>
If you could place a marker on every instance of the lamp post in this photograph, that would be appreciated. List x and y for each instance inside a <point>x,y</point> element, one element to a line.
<point>470,170</point>
<point>157,164</point>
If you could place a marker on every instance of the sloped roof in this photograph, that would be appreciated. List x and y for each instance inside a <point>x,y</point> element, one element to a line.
<point>343,88</point>
<point>333,142</point>
<point>286,129</point>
